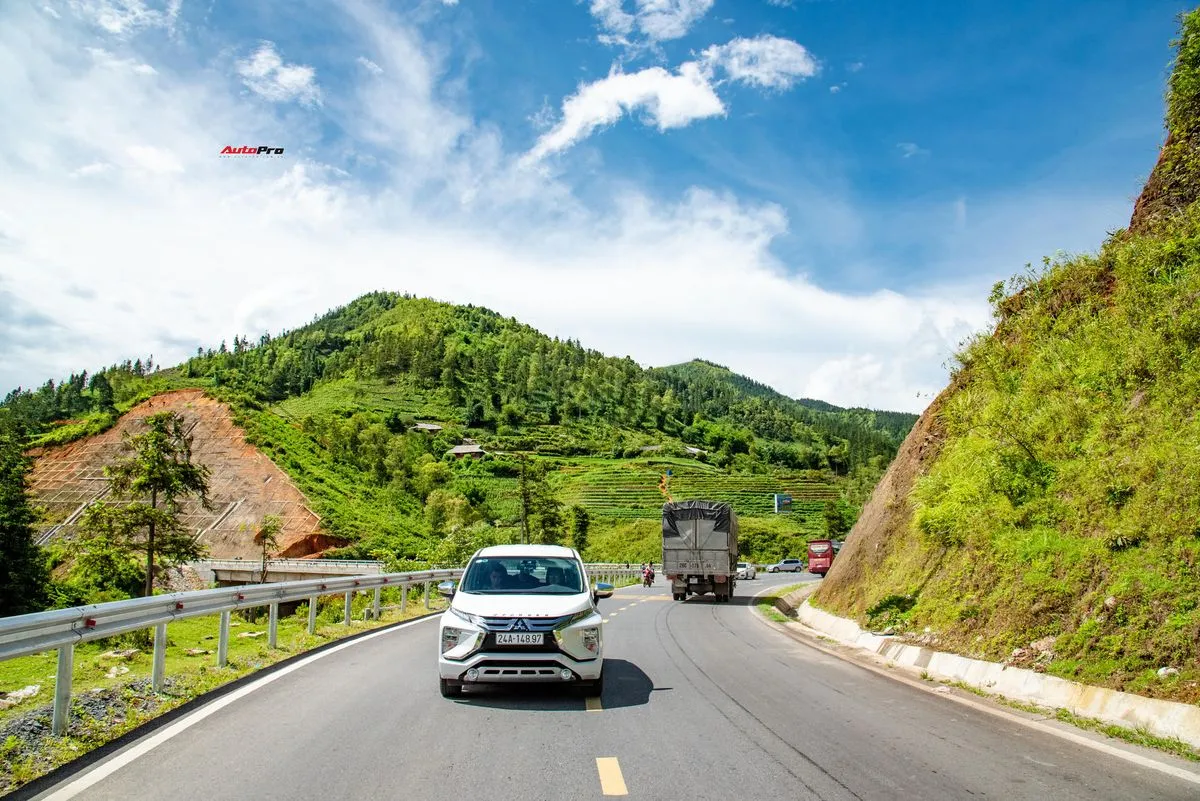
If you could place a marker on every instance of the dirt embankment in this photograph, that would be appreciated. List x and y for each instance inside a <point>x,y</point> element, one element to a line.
<point>886,521</point>
<point>245,485</point>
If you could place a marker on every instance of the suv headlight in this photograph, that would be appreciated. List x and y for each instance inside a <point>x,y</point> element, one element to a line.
<point>576,618</point>
<point>474,620</point>
<point>459,643</point>
<point>591,639</point>
<point>451,637</point>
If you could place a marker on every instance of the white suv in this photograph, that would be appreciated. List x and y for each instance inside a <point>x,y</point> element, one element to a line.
<point>522,613</point>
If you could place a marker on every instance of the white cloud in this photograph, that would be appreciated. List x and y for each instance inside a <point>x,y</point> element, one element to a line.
<point>265,74</point>
<point>256,245</point>
<point>764,61</point>
<point>96,168</point>
<point>123,17</point>
<point>370,66</point>
<point>669,100</point>
<point>661,20</point>
<point>612,16</point>
<point>674,99</point>
<point>655,20</point>
<point>910,149</point>
<point>449,2</point>
<point>153,159</point>
<point>837,87</point>
<point>51,12</point>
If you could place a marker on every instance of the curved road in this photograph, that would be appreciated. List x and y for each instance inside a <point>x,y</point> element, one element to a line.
<point>703,701</point>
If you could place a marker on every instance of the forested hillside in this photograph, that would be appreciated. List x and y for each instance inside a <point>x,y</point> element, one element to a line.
<point>335,403</point>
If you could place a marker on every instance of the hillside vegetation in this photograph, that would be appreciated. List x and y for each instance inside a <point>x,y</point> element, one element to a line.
<point>1051,495</point>
<point>334,404</point>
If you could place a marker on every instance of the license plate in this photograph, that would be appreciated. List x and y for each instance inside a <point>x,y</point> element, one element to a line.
<point>693,580</point>
<point>519,638</point>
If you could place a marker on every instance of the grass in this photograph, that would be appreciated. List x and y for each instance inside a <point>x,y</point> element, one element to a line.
<point>766,603</point>
<point>345,396</point>
<point>188,675</point>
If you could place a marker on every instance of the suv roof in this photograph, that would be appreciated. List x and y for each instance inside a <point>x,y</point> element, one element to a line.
<point>526,550</point>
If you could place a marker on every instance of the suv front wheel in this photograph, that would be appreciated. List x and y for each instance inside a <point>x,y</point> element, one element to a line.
<point>450,688</point>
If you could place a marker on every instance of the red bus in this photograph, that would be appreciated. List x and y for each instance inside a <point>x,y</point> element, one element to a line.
<point>820,556</point>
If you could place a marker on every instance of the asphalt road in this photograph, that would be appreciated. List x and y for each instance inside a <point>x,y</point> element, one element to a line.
<point>703,701</point>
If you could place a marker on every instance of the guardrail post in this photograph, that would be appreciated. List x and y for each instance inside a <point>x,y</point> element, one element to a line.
<point>312,615</point>
<point>378,590</point>
<point>160,657</point>
<point>273,626</point>
<point>404,588</point>
<point>427,595</point>
<point>223,640</point>
<point>62,690</point>
<point>349,598</point>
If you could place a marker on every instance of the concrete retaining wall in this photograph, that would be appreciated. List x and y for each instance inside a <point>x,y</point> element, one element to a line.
<point>1160,718</point>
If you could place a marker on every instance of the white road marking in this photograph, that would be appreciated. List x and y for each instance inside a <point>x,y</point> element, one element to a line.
<point>106,769</point>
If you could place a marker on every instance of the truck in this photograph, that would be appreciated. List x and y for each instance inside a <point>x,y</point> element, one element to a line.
<point>700,548</point>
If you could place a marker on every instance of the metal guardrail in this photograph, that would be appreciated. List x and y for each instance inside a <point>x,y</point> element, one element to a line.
<point>63,629</point>
<point>345,567</point>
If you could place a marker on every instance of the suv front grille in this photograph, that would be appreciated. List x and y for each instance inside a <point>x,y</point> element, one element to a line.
<point>546,624</point>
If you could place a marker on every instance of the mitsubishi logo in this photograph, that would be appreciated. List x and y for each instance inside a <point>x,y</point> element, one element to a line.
<point>519,625</point>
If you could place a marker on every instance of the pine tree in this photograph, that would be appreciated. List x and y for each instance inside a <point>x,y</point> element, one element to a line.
<point>24,576</point>
<point>158,468</point>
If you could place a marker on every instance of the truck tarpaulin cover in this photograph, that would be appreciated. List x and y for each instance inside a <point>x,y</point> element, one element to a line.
<point>721,515</point>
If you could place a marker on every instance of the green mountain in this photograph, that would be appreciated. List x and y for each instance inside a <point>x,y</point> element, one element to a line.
<point>1050,495</point>
<point>335,403</point>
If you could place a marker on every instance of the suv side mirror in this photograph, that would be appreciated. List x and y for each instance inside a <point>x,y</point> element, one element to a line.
<point>602,590</point>
<point>446,589</point>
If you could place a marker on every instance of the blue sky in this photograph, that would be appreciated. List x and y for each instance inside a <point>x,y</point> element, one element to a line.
<point>818,194</point>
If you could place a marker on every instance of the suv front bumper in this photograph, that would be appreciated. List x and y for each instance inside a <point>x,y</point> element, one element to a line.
<point>506,666</point>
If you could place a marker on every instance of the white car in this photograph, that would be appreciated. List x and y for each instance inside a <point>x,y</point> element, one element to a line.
<point>522,613</point>
<point>745,570</point>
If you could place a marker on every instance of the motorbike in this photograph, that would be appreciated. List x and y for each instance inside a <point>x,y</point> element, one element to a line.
<point>648,578</point>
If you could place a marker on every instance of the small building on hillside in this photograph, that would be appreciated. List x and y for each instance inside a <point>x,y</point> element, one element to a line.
<point>429,428</point>
<point>466,449</point>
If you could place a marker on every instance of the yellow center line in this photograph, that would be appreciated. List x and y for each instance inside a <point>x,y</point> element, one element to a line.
<point>593,704</point>
<point>611,780</point>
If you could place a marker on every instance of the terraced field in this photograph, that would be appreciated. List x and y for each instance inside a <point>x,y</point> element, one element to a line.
<point>630,489</point>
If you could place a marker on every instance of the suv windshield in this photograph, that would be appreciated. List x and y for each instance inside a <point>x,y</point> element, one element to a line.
<point>516,575</point>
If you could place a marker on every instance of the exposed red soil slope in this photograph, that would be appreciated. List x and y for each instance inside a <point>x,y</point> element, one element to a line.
<point>244,484</point>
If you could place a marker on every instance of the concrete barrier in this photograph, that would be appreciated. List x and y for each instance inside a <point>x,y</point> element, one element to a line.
<point>1160,718</point>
